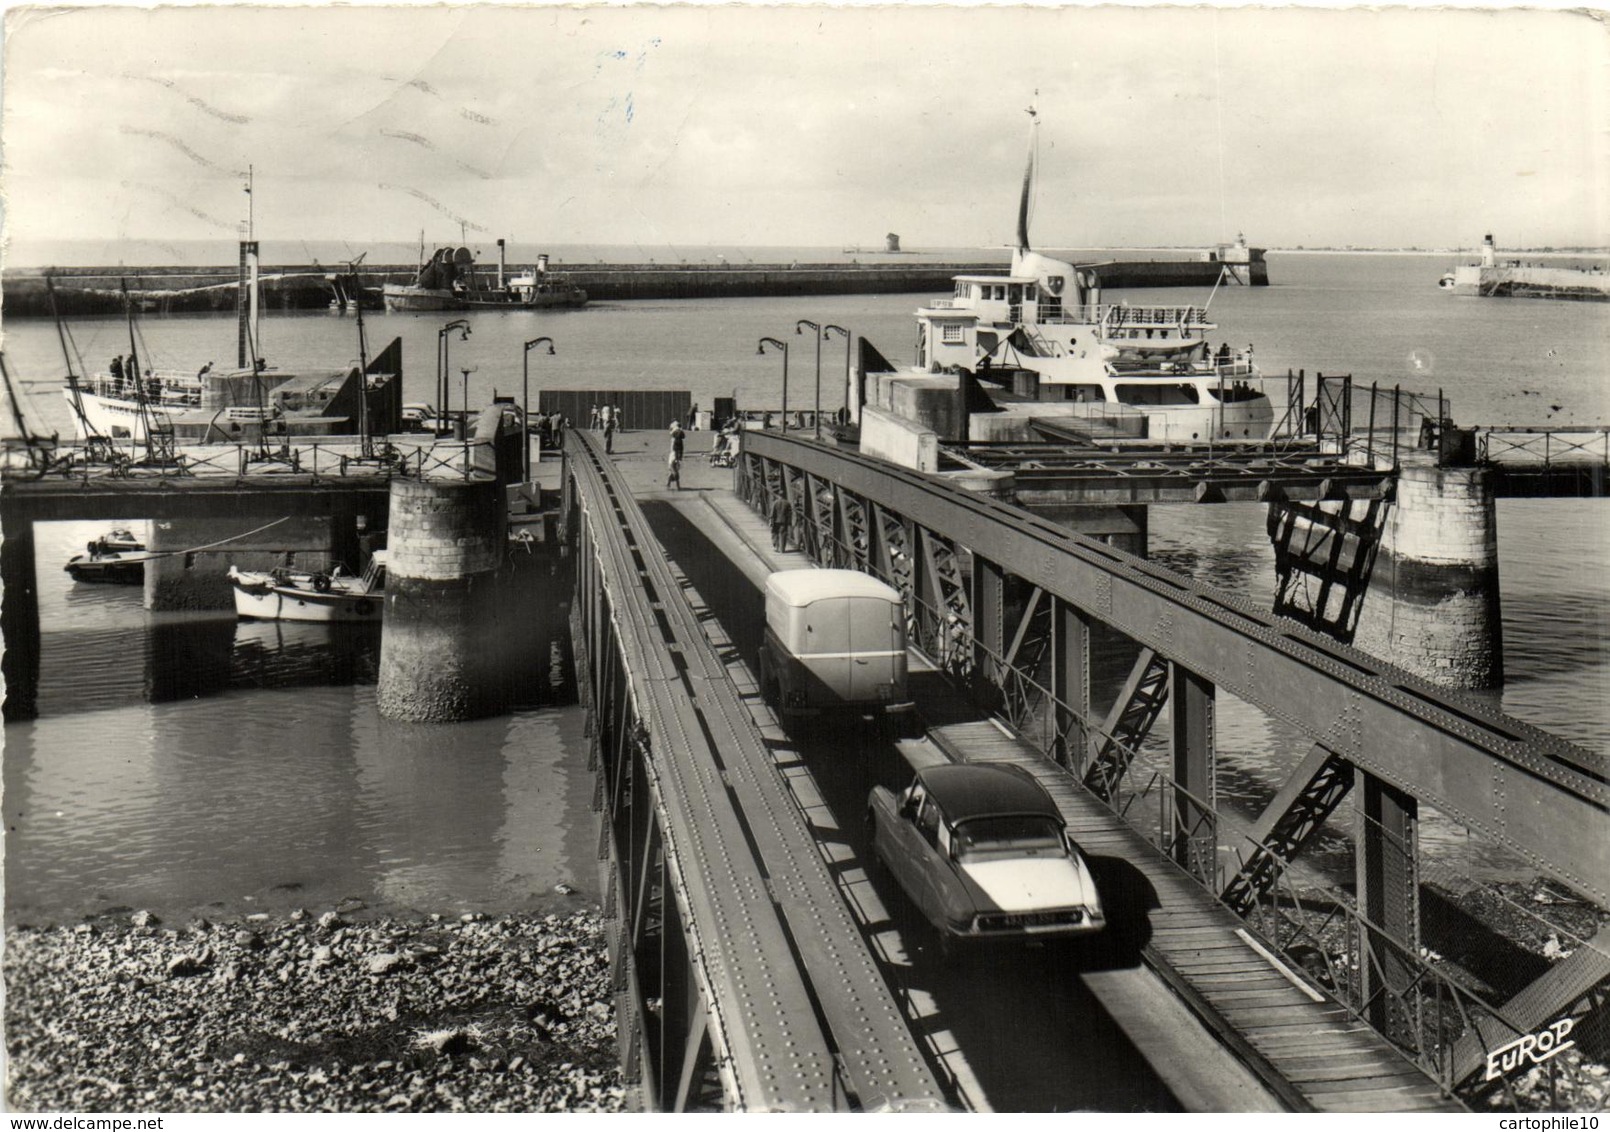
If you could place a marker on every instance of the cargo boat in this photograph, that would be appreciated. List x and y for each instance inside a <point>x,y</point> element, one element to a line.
<point>448,282</point>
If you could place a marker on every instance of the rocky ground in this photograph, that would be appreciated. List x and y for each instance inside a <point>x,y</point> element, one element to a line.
<point>312,1013</point>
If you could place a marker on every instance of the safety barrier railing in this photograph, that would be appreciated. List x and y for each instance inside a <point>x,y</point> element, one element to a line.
<point>1536,447</point>
<point>336,458</point>
<point>1420,1007</point>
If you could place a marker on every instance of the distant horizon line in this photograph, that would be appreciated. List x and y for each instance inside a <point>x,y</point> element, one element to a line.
<point>1557,249</point>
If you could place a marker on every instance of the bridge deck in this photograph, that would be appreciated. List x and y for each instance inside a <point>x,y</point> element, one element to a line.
<point>787,966</point>
<point>1316,1050</point>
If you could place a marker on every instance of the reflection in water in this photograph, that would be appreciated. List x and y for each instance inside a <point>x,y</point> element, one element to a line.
<point>183,761</point>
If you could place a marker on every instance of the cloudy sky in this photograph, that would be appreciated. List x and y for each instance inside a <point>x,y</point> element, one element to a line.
<point>810,125</point>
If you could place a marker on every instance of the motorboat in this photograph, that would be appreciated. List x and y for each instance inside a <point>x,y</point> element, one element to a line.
<point>291,594</point>
<point>107,566</point>
<point>1043,333</point>
<point>116,557</point>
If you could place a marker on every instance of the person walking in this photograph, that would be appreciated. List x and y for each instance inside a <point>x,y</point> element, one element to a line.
<point>673,461</point>
<point>609,429</point>
<point>594,421</point>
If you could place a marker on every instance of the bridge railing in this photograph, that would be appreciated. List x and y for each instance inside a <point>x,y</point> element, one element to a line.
<point>1541,447</point>
<point>428,457</point>
<point>1374,425</point>
<point>1343,954</point>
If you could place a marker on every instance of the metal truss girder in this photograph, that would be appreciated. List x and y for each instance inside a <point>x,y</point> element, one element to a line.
<point>1530,791</point>
<point>1310,794</point>
<point>1340,561</point>
<point>797,1013</point>
<point>1388,884</point>
<point>1548,997</point>
<point>1139,704</point>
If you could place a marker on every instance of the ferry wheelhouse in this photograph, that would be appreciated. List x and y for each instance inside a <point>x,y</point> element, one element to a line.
<point>1143,371</point>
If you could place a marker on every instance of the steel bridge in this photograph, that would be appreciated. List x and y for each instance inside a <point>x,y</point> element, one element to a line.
<point>742,981</point>
<point>1008,603</point>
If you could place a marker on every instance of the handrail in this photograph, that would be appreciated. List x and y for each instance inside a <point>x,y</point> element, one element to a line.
<point>339,457</point>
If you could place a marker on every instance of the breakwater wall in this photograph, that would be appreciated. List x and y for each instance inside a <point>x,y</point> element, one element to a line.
<point>175,290</point>
<point>1532,282</point>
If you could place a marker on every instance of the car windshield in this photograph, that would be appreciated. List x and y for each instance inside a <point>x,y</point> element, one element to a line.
<point>1014,835</point>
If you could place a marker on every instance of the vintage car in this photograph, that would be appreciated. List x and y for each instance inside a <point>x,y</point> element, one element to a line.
<point>980,849</point>
<point>835,640</point>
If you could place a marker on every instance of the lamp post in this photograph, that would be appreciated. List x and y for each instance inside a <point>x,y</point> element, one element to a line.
<point>464,412</point>
<point>525,396</point>
<point>828,331</point>
<point>816,333</point>
<point>442,370</point>
<point>783,346</point>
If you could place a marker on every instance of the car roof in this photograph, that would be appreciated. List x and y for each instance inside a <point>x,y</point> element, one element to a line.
<point>974,790</point>
<point>801,587</point>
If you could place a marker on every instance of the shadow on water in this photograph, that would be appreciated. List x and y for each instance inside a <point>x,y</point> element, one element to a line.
<point>172,657</point>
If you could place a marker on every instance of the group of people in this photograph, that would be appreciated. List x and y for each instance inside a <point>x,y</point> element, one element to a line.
<point>606,418</point>
<point>550,429</point>
<point>126,381</point>
<point>1225,355</point>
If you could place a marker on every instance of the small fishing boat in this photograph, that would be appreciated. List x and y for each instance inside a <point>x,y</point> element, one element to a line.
<point>106,566</point>
<point>289,594</point>
<point>119,539</point>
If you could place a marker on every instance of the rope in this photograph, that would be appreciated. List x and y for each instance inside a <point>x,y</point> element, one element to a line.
<point>209,545</point>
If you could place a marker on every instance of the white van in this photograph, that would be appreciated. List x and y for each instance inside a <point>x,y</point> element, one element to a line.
<point>835,640</point>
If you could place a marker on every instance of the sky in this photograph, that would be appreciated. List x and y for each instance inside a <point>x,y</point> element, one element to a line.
<point>823,126</point>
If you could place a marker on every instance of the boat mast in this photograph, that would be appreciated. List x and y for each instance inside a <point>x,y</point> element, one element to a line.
<point>251,335</point>
<point>92,435</point>
<point>1028,181</point>
<point>131,372</point>
<point>367,449</point>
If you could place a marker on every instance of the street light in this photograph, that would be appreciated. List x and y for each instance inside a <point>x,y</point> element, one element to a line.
<point>464,416</point>
<point>816,333</point>
<point>827,332</point>
<point>783,346</point>
<point>442,370</point>
<point>525,396</point>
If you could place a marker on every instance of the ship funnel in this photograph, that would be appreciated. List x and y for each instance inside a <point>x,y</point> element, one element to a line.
<point>500,265</point>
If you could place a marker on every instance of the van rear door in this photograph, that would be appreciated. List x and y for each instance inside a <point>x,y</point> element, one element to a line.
<point>875,642</point>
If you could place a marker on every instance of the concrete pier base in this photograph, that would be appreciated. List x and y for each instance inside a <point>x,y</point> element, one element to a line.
<point>1439,556</point>
<point>440,651</point>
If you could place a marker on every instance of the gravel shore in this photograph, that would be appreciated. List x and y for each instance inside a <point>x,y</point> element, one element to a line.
<point>312,1013</point>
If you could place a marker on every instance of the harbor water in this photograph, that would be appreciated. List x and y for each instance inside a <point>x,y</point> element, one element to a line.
<point>184,761</point>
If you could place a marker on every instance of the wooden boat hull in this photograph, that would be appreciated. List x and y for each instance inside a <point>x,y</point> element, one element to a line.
<point>264,598</point>
<point>107,569</point>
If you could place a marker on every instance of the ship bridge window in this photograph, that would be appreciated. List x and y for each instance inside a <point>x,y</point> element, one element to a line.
<point>1014,293</point>
<point>963,290</point>
<point>1031,292</point>
<point>1158,394</point>
<point>951,333</point>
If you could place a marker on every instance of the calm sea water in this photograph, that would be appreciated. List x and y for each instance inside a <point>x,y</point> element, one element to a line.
<point>181,761</point>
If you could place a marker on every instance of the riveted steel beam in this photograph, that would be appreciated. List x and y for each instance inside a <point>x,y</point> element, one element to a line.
<point>1540,796</point>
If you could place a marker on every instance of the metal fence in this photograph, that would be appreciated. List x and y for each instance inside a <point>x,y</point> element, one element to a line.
<point>1425,1010</point>
<point>428,457</point>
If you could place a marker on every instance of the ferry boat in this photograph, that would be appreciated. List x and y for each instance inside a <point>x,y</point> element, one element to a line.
<point>285,594</point>
<point>1137,371</point>
<point>448,282</point>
